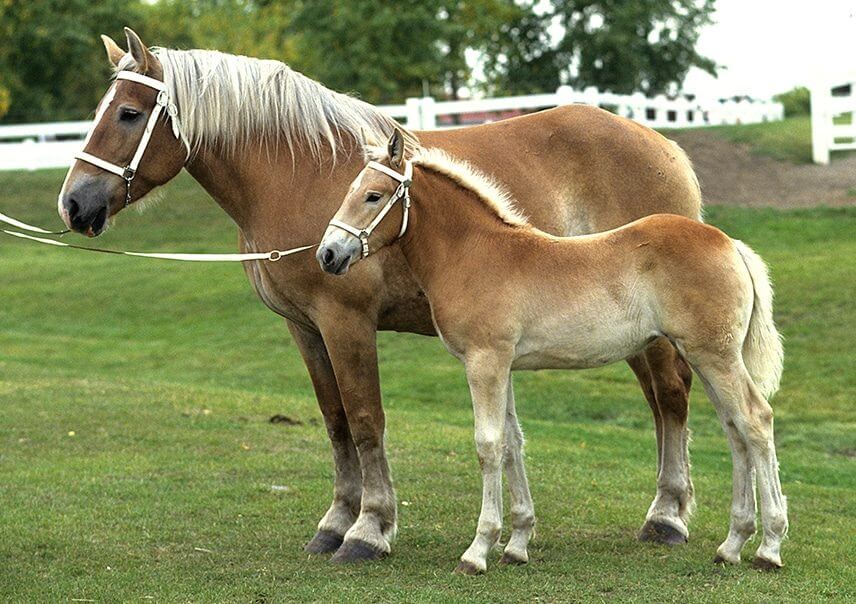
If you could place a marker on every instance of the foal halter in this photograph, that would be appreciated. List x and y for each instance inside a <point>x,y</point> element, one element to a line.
<point>163,102</point>
<point>402,192</point>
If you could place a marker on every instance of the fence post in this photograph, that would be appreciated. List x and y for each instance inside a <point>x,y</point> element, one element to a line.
<point>413,117</point>
<point>564,95</point>
<point>821,119</point>
<point>428,110</point>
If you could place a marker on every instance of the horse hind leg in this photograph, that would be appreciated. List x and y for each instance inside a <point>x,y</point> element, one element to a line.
<point>748,420</point>
<point>522,508</point>
<point>666,379</point>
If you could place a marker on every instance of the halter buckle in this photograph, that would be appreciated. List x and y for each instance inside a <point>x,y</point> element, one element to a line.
<point>128,173</point>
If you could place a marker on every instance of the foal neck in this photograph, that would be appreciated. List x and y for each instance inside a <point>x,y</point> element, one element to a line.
<point>449,222</point>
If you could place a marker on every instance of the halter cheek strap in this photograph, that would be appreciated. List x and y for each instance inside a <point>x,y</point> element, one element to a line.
<point>401,193</point>
<point>162,103</point>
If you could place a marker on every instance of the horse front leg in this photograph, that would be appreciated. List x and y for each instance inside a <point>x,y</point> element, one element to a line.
<point>488,377</point>
<point>347,486</point>
<point>666,378</point>
<point>350,336</point>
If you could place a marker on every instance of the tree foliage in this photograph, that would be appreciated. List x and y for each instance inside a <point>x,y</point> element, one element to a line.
<point>796,101</point>
<point>52,65</point>
<point>51,61</point>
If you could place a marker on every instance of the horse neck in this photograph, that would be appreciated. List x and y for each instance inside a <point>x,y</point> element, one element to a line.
<point>449,222</point>
<point>277,198</point>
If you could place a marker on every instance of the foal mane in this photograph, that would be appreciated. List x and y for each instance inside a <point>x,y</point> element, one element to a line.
<point>229,102</point>
<point>468,177</point>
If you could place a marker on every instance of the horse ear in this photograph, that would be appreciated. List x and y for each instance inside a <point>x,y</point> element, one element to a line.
<point>138,50</point>
<point>114,51</point>
<point>395,148</point>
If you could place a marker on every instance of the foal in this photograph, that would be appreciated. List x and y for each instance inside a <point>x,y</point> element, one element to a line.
<point>507,296</point>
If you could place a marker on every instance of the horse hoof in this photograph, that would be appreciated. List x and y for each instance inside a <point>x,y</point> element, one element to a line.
<point>467,568</point>
<point>357,551</point>
<point>324,542</point>
<point>510,559</point>
<point>765,565</point>
<point>660,532</point>
<point>718,559</point>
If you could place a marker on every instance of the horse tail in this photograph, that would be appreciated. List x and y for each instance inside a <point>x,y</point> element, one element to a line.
<point>763,354</point>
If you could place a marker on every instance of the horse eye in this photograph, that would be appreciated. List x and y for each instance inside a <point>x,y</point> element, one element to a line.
<point>373,197</point>
<point>128,115</point>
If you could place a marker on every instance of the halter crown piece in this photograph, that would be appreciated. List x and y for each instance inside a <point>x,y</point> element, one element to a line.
<point>163,102</point>
<point>401,193</point>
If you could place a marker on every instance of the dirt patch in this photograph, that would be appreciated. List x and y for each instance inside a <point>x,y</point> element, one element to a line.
<point>730,174</point>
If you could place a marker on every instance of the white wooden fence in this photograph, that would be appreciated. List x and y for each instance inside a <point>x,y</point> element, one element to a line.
<point>53,145</point>
<point>833,118</point>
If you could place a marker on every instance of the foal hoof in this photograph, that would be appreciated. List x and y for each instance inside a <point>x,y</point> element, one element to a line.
<point>719,559</point>
<point>510,559</point>
<point>765,565</point>
<point>660,532</point>
<point>467,568</point>
<point>357,551</point>
<point>324,542</point>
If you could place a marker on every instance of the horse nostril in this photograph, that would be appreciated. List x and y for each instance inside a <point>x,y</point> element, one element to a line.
<point>327,257</point>
<point>72,209</point>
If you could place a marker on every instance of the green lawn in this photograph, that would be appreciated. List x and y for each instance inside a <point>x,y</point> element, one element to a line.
<point>136,459</point>
<point>786,140</point>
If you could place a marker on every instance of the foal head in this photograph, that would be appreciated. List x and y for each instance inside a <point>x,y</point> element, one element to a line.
<point>375,211</point>
<point>133,146</point>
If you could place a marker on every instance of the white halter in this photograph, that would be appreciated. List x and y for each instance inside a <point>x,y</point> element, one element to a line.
<point>402,192</point>
<point>163,102</point>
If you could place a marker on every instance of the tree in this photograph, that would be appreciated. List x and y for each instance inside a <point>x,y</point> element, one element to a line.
<point>51,61</point>
<point>388,49</point>
<point>641,46</point>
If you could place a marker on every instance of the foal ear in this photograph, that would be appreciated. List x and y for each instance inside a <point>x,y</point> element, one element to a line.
<point>114,51</point>
<point>395,148</point>
<point>138,50</point>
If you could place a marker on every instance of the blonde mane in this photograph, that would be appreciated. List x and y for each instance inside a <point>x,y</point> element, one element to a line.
<point>468,177</point>
<point>229,102</point>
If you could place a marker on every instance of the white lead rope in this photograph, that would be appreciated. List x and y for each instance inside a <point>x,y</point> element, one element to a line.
<point>272,256</point>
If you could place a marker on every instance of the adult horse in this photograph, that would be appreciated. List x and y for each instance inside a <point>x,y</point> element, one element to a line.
<point>277,152</point>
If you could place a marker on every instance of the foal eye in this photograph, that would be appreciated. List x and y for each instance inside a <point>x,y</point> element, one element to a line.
<point>128,115</point>
<point>373,197</point>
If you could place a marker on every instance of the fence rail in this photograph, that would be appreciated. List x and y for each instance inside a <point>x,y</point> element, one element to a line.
<point>34,146</point>
<point>833,118</point>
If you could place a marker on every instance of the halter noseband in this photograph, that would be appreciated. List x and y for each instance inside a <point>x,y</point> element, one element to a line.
<point>128,172</point>
<point>400,193</point>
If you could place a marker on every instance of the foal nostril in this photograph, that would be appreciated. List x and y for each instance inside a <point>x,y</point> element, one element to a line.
<point>327,257</point>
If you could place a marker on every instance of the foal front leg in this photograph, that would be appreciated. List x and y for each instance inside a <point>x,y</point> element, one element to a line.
<point>347,486</point>
<point>522,509</point>
<point>488,377</point>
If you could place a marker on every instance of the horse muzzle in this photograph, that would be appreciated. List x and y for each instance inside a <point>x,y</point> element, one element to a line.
<point>85,207</point>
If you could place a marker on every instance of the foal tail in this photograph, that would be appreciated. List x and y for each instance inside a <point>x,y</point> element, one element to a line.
<point>763,354</point>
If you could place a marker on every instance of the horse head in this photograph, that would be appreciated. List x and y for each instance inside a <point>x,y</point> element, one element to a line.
<point>133,146</point>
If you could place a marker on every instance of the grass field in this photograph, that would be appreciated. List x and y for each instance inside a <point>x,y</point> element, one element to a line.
<point>137,460</point>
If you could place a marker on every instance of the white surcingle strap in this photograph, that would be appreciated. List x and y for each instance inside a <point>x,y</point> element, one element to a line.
<point>402,193</point>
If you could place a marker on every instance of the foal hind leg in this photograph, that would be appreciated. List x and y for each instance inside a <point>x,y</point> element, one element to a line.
<point>666,378</point>
<point>487,374</point>
<point>522,509</point>
<point>749,418</point>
